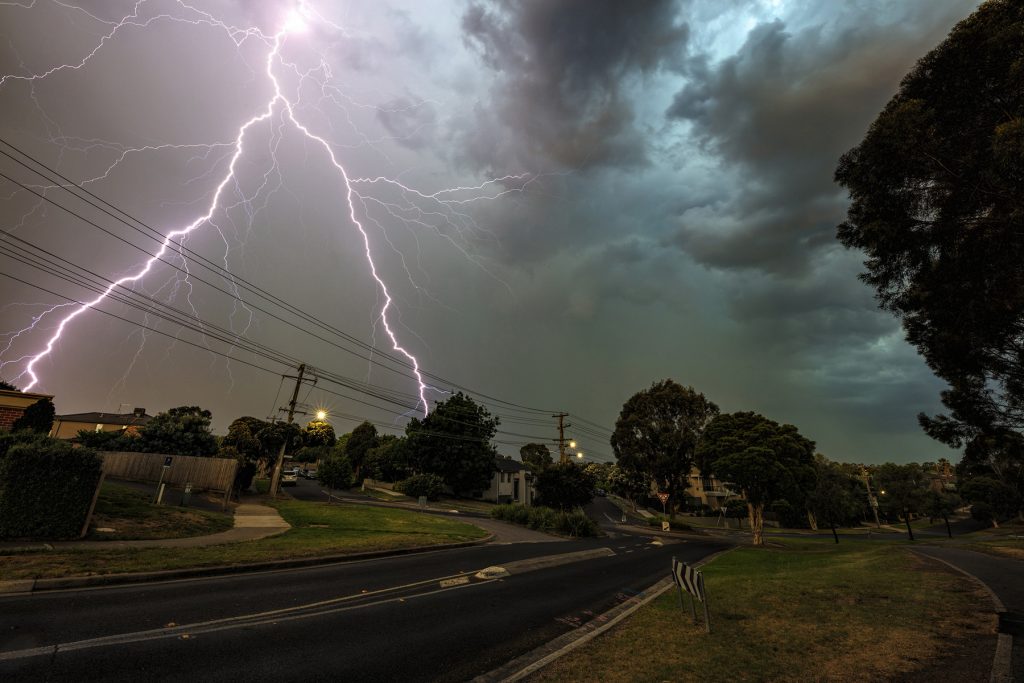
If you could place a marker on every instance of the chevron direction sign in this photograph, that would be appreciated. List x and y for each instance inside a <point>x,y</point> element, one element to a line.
<point>690,580</point>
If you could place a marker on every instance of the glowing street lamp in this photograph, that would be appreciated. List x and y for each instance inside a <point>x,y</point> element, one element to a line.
<point>321,415</point>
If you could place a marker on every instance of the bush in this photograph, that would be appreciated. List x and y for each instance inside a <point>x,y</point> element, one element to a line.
<point>568,523</point>
<point>46,487</point>
<point>335,471</point>
<point>429,485</point>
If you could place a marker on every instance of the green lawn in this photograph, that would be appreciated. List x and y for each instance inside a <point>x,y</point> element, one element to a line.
<point>800,610</point>
<point>318,529</point>
<point>132,515</point>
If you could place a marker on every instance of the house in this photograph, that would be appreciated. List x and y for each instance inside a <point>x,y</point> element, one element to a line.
<point>707,490</point>
<point>68,426</point>
<point>13,404</point>
<point>511,483</point>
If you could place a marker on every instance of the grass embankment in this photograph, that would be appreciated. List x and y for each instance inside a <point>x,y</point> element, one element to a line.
<point>1006,541</point>
<point>318,529</point>
<point>804,610</point>
<point>132,515</point>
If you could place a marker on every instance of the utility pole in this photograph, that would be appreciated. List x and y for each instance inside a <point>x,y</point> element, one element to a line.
<point>871,499</point>
<point>562,457</point>
<point>275,479</point>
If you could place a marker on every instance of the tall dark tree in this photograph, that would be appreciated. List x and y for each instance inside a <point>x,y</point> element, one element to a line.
<point>565,486</point>
<point>901,491</point>
<point>37,418</point>
<point>837,498</point>
<point>7,386</point>
<point>766,460</point>
<point>937,207</point>
<point>454,442</point>
<point>388,460</point>
<point>536,456</point>
<point>657,432</point>
<point>362,439</point>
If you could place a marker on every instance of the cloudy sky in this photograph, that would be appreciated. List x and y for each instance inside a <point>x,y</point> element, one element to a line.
<point>565,201</point>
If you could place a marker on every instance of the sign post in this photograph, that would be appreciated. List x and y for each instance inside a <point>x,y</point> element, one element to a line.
<point>663,497</point>
<point>160,484</point>
<point>688,578</point>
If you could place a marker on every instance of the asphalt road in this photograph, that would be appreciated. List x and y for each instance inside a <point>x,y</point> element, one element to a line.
<point>381,620</point>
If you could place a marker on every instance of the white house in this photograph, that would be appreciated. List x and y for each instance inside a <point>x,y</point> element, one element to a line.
<point>512,483</point>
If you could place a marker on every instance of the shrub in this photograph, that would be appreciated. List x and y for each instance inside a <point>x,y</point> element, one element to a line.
<point>429,485</point>
<point>37,418</point>
<point>568,523</point>
<point>46,487</point>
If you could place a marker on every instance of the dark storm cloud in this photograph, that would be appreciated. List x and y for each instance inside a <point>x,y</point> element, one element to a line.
<point>780,112</point>
<point>562,72</point>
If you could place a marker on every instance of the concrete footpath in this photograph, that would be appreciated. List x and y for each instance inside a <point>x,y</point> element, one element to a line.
<point>1003,577</point>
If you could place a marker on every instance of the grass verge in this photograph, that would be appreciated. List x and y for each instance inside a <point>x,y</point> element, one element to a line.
<point>131,515</point>
<point>318,529</point>
<point>801,610</point>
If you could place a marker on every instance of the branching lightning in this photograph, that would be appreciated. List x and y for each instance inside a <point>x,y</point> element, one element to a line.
<point>413,208</point>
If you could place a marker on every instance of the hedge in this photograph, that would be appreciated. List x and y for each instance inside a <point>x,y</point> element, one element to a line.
<point>430,486</point>
<point>46,487</point>
<point>569,523</point>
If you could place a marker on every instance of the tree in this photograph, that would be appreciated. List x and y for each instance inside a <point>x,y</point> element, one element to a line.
<point>657,433</point>
<point>454,442</point>
<point>766,460</point>
<point>37,417</point>
<point>180,431</point>
<point>362,439</point>
<point>256,443</point>
<point>941,504</point>
<point>991,500</point>
<point>629,484</point>
<point>7,386</point>
<point>388,461</point>
<point>836,497</point>
<point>536,456</point>
<point>319,433</point>
<point>736,509</point>
<point>937,208</point>
<point>600,471</point>
<point>335,471</point>
<point>565,486</point>
<point>901,490</point>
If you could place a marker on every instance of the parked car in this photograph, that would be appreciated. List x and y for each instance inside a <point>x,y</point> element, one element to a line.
<point>290,477</point>
<point>307,474</point>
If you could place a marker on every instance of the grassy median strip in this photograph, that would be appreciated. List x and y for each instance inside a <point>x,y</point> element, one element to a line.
<point>800,610</point>
<point>318,529</point>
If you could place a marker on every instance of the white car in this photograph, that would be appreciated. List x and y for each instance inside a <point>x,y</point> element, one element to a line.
<point>290,477</point>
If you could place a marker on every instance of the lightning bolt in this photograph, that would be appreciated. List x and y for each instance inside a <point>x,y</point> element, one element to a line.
<point>412,209</point>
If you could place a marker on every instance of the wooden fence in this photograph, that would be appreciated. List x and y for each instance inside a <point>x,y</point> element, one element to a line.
<point>211,474</point>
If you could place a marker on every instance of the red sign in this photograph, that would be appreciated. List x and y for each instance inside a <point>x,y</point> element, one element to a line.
<point>663,497</point>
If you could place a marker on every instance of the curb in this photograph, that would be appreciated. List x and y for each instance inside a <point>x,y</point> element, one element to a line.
<point>1002,661</point>
<point>116,580</point>
<point>535,660</point>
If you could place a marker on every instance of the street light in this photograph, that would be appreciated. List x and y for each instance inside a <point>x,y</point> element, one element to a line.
<point>321,415</point>
<point>572,444</point>
<point>579,454</point>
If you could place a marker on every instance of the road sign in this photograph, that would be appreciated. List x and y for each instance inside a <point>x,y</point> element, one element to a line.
<point>665,526</point>
<point>692,581</point>
<point>167,461</point>
<point>663,497</point>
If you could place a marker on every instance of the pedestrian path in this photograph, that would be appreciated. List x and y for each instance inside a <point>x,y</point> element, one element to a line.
<point>1004,577</point>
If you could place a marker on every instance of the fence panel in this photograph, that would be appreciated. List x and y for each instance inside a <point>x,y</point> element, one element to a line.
<point>213,474</point>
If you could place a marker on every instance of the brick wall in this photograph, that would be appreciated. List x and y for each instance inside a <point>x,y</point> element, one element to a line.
<point>8,416</point>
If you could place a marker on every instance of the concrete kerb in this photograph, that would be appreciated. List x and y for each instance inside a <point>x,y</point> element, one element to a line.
<point>535,660</point>
<point>1002,663</point>
<point>112,580</point>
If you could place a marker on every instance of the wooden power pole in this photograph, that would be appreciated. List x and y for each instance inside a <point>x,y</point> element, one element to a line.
<point>561,440</point>
<point>275,479</point>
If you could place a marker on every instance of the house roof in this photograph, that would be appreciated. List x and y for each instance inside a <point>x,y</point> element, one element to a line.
<point>508,464</point>
<point>106,418</point>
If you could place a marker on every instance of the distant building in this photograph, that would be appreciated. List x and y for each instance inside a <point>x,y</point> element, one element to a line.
<point>68,426</point>
<point>13,404</point>
<point>512,483</point>
<point>707,490</point>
